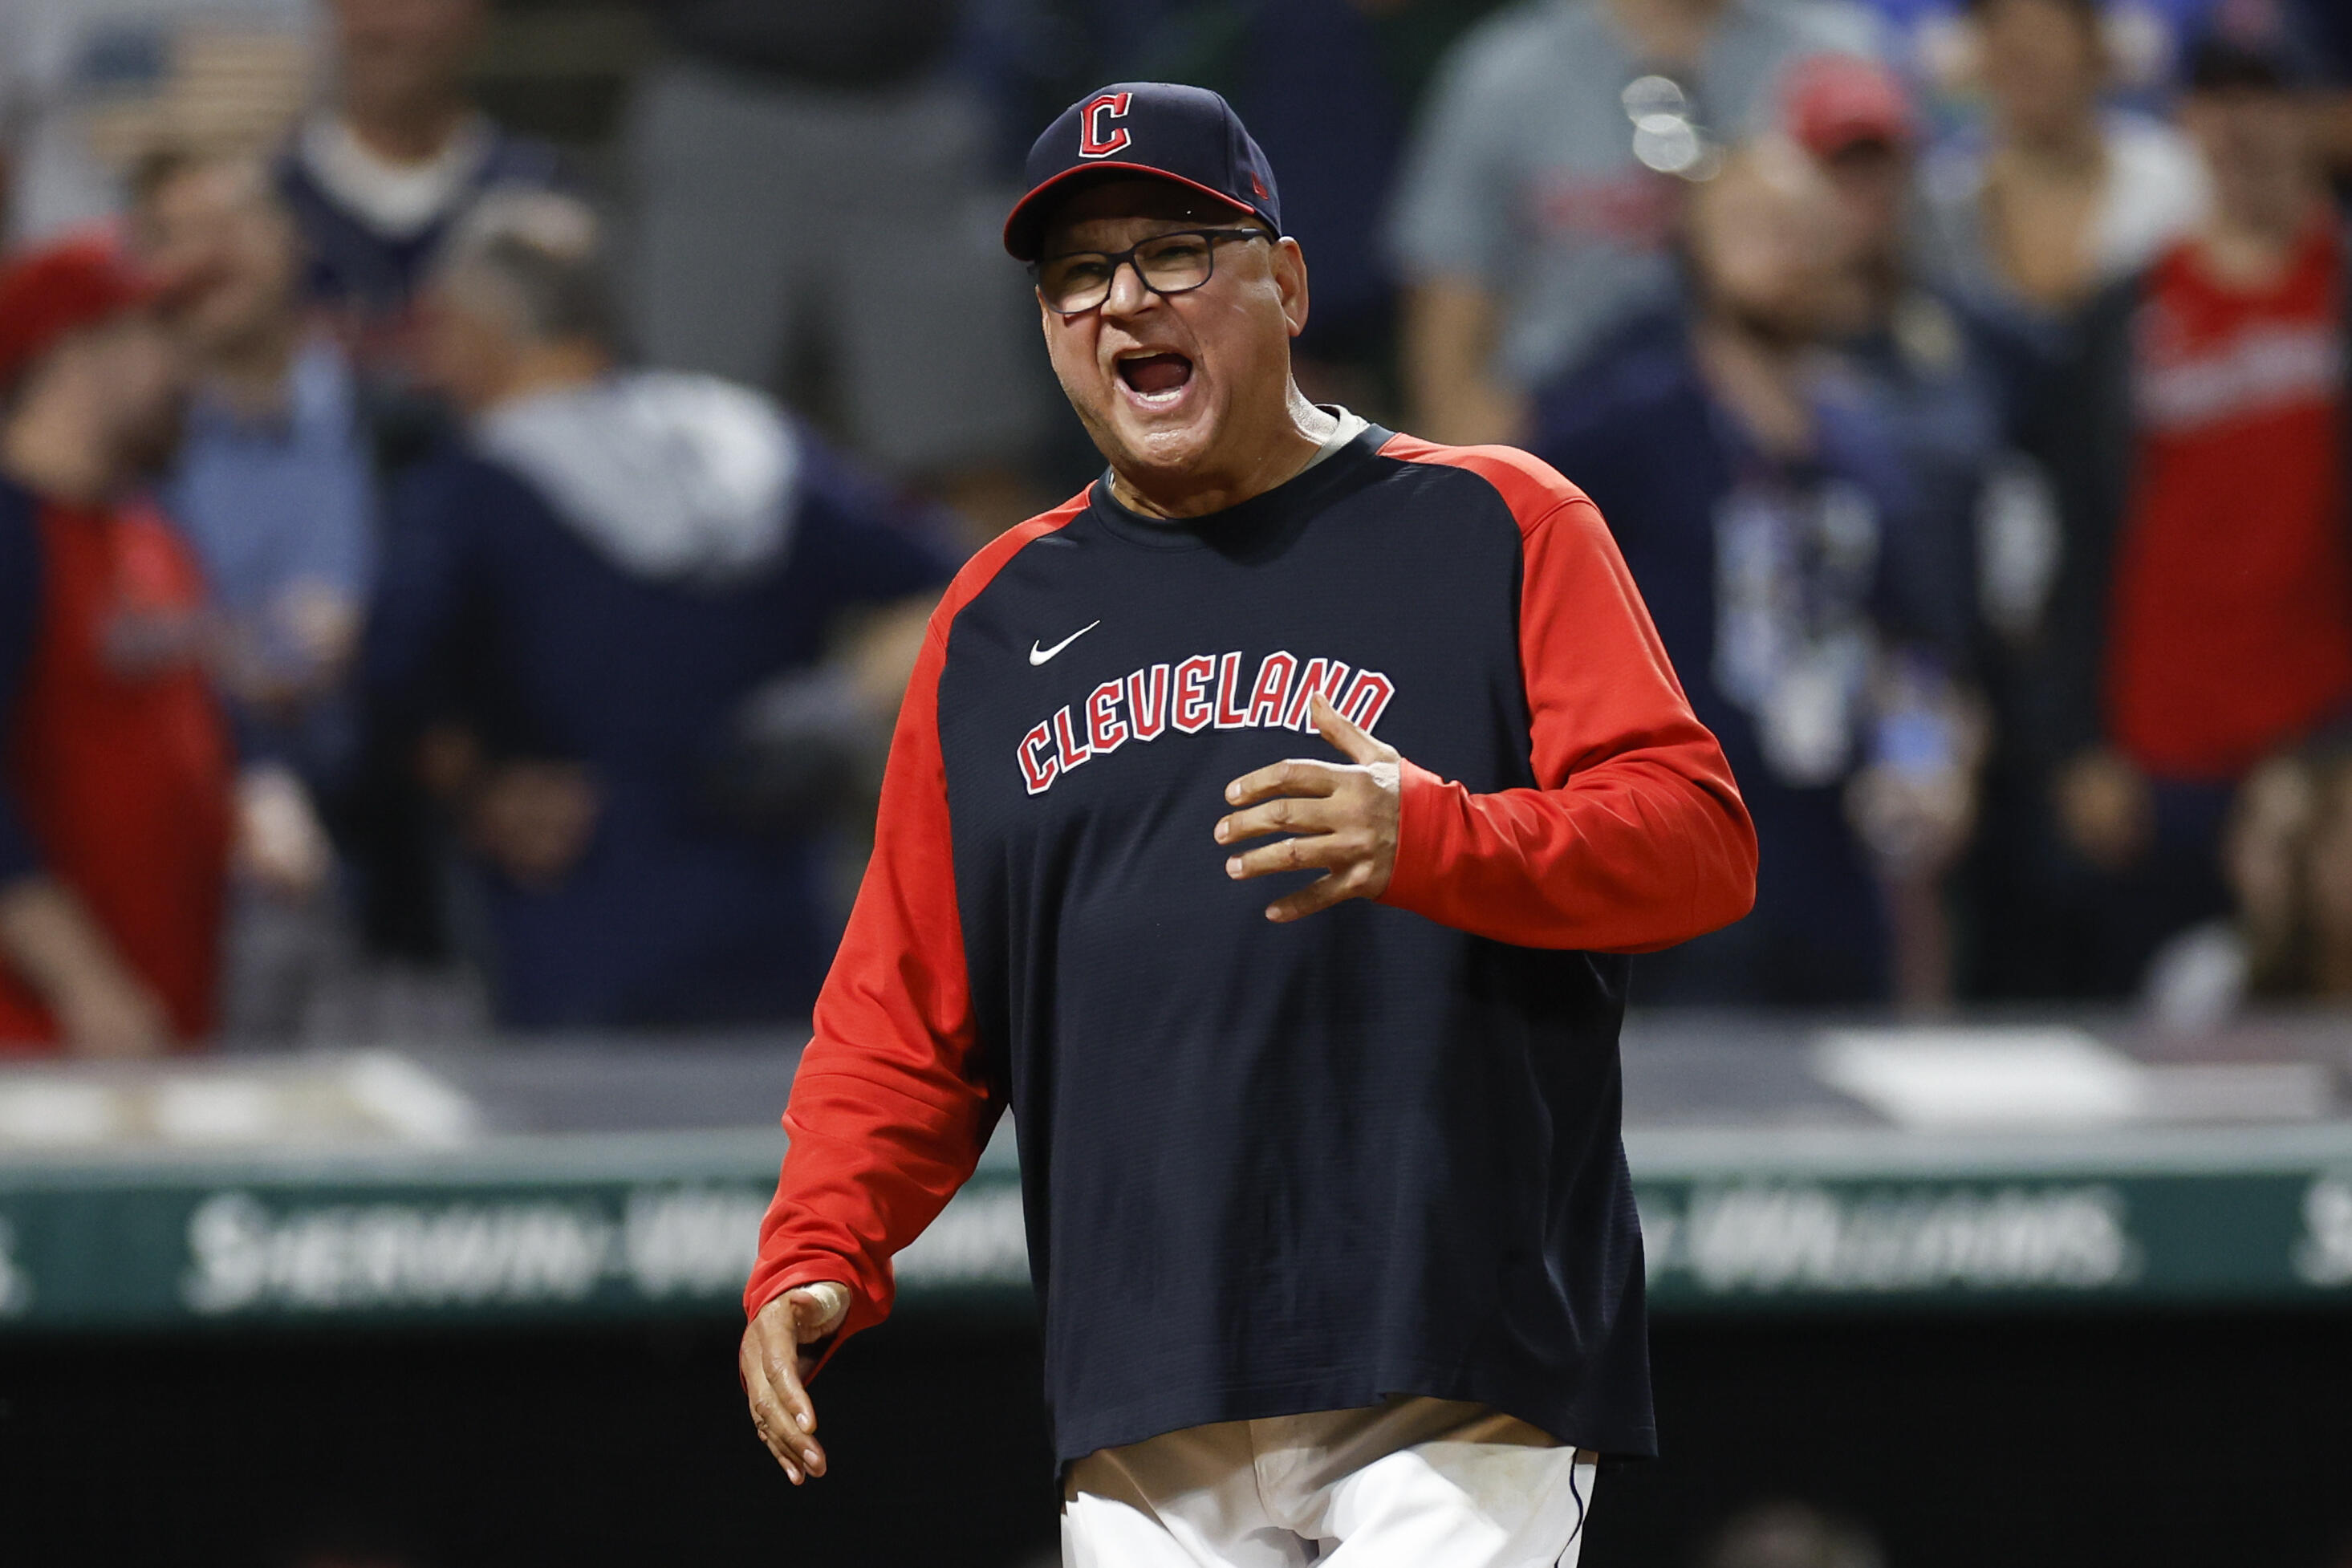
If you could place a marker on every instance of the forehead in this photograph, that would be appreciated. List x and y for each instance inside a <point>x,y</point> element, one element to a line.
<point>1114,213</point>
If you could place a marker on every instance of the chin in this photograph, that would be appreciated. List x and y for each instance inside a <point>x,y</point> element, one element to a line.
<point>1169,442</point>
<point>1171,451</point>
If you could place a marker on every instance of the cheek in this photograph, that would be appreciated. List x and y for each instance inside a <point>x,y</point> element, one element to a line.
<point>1071,350</point>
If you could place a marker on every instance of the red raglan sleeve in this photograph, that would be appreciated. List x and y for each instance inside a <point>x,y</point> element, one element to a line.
<point>892,1106</point>
<point>1635,837</point>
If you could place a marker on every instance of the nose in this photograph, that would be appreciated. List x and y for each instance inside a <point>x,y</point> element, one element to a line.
<point>1127,295</point>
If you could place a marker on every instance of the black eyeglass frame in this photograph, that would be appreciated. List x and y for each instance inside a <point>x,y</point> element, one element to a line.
<point>1115,259</point>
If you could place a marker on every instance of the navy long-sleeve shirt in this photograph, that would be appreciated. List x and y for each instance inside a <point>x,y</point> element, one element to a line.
<point>1272,1169</point>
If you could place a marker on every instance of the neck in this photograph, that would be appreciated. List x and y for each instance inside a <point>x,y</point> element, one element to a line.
<point>1757,379</point>
<point>1289,446</point>
<point>2252,248</point>
<point>46,448</point>
<point>407,131</point>
<point>250,374</point>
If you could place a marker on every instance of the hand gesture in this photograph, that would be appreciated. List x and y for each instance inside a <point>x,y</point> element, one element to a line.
<point>1342,815</point>
<point>775,1367</point>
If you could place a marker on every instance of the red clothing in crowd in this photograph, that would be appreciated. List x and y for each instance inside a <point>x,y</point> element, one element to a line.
<point>2232,611</point>
<point>117,760</point>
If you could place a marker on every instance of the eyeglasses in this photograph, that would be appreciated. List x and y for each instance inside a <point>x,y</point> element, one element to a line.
<point>1174,263</point>
<point>1667,134</point>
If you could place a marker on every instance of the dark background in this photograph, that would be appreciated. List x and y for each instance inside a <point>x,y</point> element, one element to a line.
<point>2018,1440</point>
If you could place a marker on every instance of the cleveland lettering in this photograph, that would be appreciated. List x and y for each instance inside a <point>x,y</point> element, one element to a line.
<point>1206,691</point>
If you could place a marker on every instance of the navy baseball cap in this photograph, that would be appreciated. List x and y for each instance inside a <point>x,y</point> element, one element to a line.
<point>1157,129</point>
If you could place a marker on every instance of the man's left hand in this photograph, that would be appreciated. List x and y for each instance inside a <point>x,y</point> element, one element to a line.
<point>1342,816</point>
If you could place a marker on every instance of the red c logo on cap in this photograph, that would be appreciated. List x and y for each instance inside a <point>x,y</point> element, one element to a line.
<point>1092,141</point>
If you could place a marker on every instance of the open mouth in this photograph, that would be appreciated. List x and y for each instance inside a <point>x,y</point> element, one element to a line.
<point>1156,377</point>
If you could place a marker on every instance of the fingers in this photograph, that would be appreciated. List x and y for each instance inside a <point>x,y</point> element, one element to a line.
<point>781,1408</point>
<point>1327,851</point>
<point>1343,816</point>
<point>1318,895</point>
<point>1297,776</point>
<point>1343,732</point>
<point>769,1420</point>
<point>1284,813</point>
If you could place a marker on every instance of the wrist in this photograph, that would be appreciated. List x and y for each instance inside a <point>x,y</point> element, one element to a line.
<point>1422,831</point>
<point>828,1307</point>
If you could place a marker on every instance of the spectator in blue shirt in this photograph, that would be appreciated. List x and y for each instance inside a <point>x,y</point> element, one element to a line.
<point>580,604</point>
<point>273,488</point>
<point>273,485</point>
<point>1763,510</point>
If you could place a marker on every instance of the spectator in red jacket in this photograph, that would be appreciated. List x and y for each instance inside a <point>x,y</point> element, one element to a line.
<point>2217,591</point>
<point>114,785</point>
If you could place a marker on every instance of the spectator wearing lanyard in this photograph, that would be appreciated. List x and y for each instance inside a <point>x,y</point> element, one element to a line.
<point>1764,513</point>
<point>114,796</point>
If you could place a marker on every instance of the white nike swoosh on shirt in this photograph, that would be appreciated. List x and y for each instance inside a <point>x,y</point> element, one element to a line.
<point>1038,656</point>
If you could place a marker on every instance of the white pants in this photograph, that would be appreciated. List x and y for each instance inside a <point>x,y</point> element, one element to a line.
<point>1409,1483</point>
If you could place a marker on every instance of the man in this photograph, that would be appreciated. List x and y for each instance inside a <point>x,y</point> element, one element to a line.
<point>380,177</point>
<point>1766,518</point>
<point>114,813</point>
<point>1322,1192</point>
<point>274,488</point>
<point>1535,213</point>
<point>576,603</point>
<point>2206,609</point>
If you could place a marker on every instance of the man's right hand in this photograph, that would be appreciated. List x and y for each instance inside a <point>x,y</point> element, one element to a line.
<point>775,1363</point>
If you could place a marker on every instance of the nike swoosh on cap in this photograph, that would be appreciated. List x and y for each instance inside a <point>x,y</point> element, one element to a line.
<point>1037,655</point>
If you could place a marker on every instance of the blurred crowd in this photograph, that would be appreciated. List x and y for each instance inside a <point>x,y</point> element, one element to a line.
<point>452,580</point>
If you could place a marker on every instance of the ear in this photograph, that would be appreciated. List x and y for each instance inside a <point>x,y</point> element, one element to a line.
<point>1290,282</point>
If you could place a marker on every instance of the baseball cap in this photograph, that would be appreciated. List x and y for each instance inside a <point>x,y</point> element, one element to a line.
<point>49,293</point>
<point>1833,102</point>
<point>1157,129</point>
